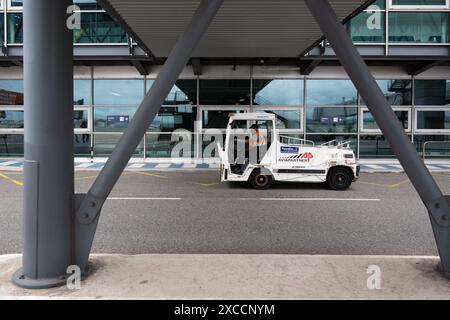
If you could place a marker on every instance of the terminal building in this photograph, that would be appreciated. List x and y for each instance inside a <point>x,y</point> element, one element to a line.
<point>406,44</point>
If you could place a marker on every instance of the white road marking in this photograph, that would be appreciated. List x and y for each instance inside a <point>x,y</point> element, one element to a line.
<point>163,166</point>
<point>84,165</point>
<point>189,166</point>
<point>9,163</point>
<point>375,167</point>
<point>246,199</point>
<point>306,199</point>
<point>136,166</point>
<point>145,199</point>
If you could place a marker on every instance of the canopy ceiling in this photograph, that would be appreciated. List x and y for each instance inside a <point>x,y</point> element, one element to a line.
<point>242,28</point>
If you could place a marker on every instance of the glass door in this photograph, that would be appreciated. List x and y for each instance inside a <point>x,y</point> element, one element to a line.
<point>213,124</point>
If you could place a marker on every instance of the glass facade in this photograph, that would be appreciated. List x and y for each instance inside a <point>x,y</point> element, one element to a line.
<point>314,109</point>
<point>96,25</point>
<point>432,92</point>
<point>419,27</point>
<point>277,92</point>
<point>408,21</point>
<point>225,92</point>
<point>397,22</point>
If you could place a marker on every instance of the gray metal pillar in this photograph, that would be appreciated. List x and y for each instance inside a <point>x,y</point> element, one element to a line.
<point>48,169</point>
<point>436,203</point>
<point>89,205</point>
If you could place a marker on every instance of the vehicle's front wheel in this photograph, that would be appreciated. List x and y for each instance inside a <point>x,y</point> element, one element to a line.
<point>339,179</point>
<point>260,180</point>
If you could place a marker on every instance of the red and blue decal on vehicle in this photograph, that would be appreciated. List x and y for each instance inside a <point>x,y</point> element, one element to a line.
<point>290,150</point>
<point>302,157</point>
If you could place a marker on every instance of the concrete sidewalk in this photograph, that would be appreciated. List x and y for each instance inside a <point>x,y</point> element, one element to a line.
<point>243,277</point>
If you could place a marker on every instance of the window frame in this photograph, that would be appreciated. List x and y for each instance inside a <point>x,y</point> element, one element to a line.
<point>89,120</point>
<point>11,130</point>
<point>301,91</point>
<point>429,131</point>
<point>378,131</point>
<point>392,6</point>
<point>285,108</point>
<point>354,106</point>
<point>21,130</point>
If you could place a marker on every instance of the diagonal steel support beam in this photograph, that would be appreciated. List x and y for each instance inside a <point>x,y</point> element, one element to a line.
<point>88,207</point>
<point>425,185</point>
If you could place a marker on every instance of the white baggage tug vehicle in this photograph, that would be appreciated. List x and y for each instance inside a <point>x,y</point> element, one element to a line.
<point>255,152</point>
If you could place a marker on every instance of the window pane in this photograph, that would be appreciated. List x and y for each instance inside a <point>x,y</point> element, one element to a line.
<point>323,120</point>
<point>370,124</point>
<point>87,4</point>
<point>286,119</point>
<point>217,119</point>
<point>225,92</point>
<point>11,92</point>
<point>82,145</point>
<point>435,146</point>
<point>11,119</point>
<point>418,2</point>
<point>15,28</point>
<point>209,145</point>
<point>11,145</point>
<point>278,92</point>
<point>118,92</point>
<point>169,119</point>
<point>104,145</point>
<point>331,92</point>
<point>374,146</point>
<point>368,27</point>
<point>98,27</point>
<point>112,119</point>
<point>419,27</point>
<point>380,4</point>
<point>397,92</point>
<point>80,119</point>
<point>432,92</point>
<point>437,120</point>
<point>183,93</point>
<point>16,3</point>
<point>160,145</point>
<point>82,92</point>
<point>2,27</point>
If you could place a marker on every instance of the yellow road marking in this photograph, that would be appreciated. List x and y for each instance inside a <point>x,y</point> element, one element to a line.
<point>86,178</point>
<point>207,184</point>
<point>396,185</point>
<point>16,182</point>
<point>94,177</point>
<point>150,174</point>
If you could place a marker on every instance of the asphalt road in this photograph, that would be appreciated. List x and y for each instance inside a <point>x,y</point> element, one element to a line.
<point>381,215</point>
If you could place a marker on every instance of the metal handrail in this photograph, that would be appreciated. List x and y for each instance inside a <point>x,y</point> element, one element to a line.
<point>297,141</point>
<point>339,145</point>
<point>431,142</point>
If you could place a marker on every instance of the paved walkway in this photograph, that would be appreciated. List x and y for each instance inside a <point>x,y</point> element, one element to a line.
<point>97,164</point>
<point>245,277</point>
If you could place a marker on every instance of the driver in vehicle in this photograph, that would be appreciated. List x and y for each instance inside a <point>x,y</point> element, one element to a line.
<point>255,140</point>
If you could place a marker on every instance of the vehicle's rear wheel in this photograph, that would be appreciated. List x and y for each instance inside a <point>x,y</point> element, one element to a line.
<point>260,180</point>
<point>339,179</point>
